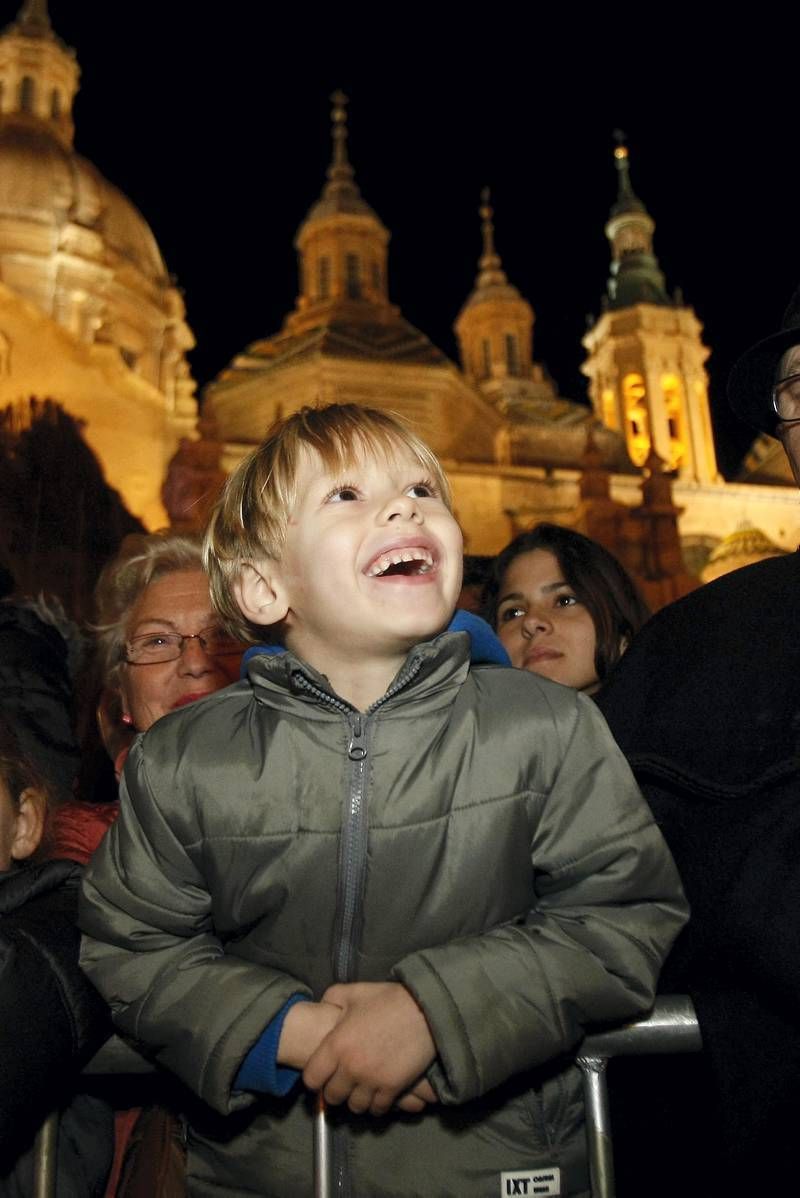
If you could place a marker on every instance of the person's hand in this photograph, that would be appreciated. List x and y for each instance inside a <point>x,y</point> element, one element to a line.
<point>305,1027</point>
<point>417,1098</point>
<point>378,1050</point>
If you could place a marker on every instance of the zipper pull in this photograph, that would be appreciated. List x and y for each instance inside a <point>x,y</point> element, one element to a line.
<point>357,750</point>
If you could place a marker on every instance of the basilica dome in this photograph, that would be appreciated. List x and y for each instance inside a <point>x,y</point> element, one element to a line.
<point>45,183</point>
<point>70,241</point>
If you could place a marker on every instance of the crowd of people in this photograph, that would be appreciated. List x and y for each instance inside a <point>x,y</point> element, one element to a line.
<point>369,846</point>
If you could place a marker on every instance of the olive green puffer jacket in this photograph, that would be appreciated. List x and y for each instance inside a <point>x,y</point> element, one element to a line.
<point>476,835</point>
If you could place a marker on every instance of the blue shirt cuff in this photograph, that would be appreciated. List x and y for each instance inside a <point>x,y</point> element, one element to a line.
<point>260,1070</point>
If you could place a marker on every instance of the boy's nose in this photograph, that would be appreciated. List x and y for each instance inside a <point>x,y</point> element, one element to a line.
<point>402,507</point>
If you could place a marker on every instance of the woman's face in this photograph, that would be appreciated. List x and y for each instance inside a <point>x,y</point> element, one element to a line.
<point>176,602</point>
<point>543,625</point>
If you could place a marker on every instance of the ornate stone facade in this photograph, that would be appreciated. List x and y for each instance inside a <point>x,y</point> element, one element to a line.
<point>74,250</point>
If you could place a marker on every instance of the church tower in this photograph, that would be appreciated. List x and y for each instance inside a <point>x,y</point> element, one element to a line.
<point>38,73</point>
<point>342,247</point>
<point>646,357</point>
<point>495,332</point>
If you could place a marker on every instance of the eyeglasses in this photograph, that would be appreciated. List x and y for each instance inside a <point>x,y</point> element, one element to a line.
<point>786,398</point>
<point>155,647</point>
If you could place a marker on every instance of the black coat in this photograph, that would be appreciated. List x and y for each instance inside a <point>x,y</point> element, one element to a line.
<point>51,1018</point>
<point>706,706</point>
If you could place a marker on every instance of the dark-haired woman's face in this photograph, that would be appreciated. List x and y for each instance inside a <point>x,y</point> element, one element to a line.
<point>543,625</point>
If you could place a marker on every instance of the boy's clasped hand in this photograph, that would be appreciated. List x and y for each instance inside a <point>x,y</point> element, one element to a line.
<point>366,1044</point>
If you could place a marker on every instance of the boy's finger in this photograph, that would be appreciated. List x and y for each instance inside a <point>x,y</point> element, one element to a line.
<point>360,1100</point>
<point>411,1104</point>
<point>319,1067</point>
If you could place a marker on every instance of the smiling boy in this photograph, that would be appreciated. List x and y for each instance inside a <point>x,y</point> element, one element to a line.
<point>412,880</point>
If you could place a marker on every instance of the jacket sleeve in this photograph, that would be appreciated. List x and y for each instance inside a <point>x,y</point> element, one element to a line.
<point>606,905</point>
<point>150,948</point>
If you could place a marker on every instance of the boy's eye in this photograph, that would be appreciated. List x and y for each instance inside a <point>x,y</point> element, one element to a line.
<point>343,494</point>
<point>423,490</point>
<point>511,613</point>
<point>566,600</point>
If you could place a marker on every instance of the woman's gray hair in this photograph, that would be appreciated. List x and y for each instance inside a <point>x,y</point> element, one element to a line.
<point>141,560</point>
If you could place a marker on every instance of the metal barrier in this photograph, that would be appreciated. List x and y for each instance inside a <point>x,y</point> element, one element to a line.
<point>671,1027</point>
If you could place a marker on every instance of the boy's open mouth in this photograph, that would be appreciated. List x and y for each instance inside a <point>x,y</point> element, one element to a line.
<point>408,562</point>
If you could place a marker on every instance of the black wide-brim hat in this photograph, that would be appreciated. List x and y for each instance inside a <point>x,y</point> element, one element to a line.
<point>753,377</point>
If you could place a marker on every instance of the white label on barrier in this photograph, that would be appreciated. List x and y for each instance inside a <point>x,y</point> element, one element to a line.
<point>543,1181</point>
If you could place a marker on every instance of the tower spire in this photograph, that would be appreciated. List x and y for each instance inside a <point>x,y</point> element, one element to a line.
<point>490,267</point>
<point>340,169</point>
<point>636,277</point>
<point>627,200</point>
<point>494,328</point>
<point>33,19</point>
<point>342,243</point>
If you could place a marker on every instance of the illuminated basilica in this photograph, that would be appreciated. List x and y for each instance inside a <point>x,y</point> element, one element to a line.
<point>90,318</point>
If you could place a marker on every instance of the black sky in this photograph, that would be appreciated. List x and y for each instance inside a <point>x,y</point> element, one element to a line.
<point>214,121</point>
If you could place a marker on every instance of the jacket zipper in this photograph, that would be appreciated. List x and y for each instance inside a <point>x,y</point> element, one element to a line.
<point>352,863</point>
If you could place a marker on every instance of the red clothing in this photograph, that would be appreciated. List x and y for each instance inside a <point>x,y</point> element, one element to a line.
<point>76,828</point>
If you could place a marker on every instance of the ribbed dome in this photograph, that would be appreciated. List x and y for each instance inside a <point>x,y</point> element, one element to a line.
<point>44,182</point>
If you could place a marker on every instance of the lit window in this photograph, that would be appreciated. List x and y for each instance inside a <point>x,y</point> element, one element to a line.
<point>637,422</point>
<point>673,406</point>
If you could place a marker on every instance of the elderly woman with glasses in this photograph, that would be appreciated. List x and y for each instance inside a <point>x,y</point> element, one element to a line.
<point>160,646</point>
<point>160,641</point>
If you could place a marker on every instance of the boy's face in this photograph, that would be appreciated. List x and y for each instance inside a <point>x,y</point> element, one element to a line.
<point>372,561</point>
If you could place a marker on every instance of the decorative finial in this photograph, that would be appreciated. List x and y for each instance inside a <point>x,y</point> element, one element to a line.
<point>489,258</point>
<point>340,167</point>
<point>625,193</point>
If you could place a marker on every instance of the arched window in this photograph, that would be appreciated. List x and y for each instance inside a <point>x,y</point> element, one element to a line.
<point>512,354</point>
<point>637,422</point>
<point>674,409</point>
<point>55,104</point>
<point>352,276</point>
<point>377,280</point>
<point>487,358</point>
<point>324,278</point>
<point>27,94</point>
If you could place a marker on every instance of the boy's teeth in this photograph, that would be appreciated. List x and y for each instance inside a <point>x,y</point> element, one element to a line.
<point>422,556</point>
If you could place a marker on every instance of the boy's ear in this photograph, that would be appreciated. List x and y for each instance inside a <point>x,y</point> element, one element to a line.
<point>28,823</point>
<point>260,593</point>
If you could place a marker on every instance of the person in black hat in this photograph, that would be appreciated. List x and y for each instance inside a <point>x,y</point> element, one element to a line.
<point>706,706</point>
<point>764,385</point>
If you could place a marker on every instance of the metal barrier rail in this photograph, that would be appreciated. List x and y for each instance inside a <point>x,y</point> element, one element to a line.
<point>671,1027</point>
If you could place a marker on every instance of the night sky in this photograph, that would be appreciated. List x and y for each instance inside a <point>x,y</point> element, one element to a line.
<point>215,122</point>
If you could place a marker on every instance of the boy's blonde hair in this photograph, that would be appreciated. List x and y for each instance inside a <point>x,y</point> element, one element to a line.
<point>249,520</point>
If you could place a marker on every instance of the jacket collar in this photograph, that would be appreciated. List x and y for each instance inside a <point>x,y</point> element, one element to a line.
<point>429,674</point>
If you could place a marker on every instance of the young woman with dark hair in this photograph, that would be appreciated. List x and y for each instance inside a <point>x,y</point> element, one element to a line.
<point>563,606</point>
